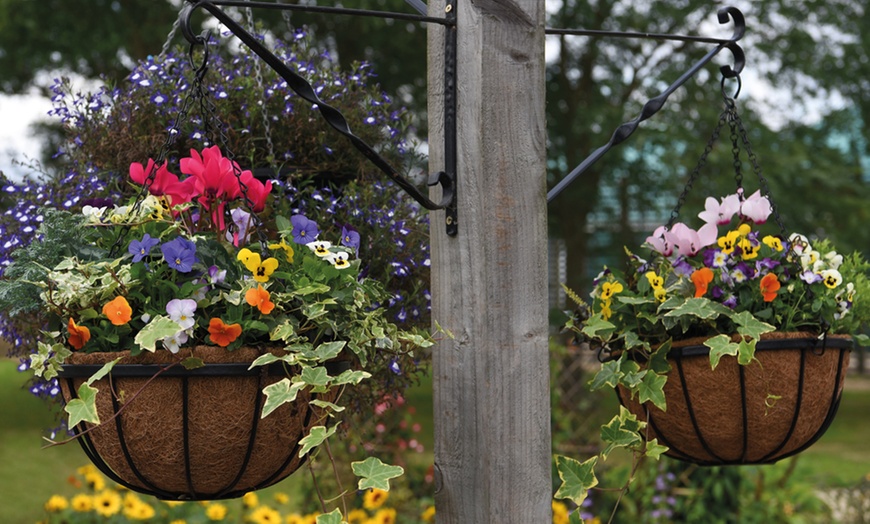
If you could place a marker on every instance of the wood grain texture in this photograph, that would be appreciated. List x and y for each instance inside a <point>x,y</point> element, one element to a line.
<point>489,283</point>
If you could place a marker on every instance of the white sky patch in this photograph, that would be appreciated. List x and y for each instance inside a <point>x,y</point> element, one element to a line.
<point>17,142</point>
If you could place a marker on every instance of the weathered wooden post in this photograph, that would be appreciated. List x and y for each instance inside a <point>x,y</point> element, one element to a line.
<point>489,282</point>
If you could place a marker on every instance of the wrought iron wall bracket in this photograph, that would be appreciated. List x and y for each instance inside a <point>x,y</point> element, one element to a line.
<point>652,106</point>
<point>446,179</point>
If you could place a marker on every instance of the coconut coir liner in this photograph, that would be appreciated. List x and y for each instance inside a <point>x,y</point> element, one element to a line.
<point>716,401</point>
<point>220,416</point>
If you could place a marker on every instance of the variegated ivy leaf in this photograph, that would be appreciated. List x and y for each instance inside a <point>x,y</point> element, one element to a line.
<point>608,375</point>
<point>311,289</point>
<point>285,331</point>
<point>658,360</point>
<point>158,328</point>
<point>702,308</point>
<point>620,432</point>
<point>746,351</point>
<point>654,450</point>
<point>333,517</point>
<point>634,301</point>
<point>47,361</point>
<point>597,327</point>
<point>83,408</point>
<point>315,437</point>
<point>720,345</point>
<point>375,474</point>
<point>103,371</point>
<point>577,478</point>
<point>651,389</point>
<point>327,405</point>
<point>279,393</point>
<point>350,377</point>
<point>315,377</point>
<point>312,311</point>
<point>750,326</point>
<point>326,351</point>
<point>632,379</point>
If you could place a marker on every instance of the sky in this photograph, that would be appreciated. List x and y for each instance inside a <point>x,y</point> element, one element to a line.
<point>17,113</point>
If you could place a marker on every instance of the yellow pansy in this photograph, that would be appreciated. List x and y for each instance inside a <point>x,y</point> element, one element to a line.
<point>773,242</point>
<point>261,269</point>
<point>608,289</point>
<point>654,280</point>
<point>288,250</point>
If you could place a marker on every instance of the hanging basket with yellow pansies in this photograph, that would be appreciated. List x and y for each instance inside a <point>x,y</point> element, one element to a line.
<point>726,344</point>
<point>200,352</point>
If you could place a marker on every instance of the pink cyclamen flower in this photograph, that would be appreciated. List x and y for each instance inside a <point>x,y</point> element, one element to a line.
<point>720,213</point>
<point>659,241</point>
<point>688,241</point>
<point>756,208</point>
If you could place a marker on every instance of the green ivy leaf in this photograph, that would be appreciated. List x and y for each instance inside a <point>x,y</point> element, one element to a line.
<point>577,478</point>
<point>329,350</point>
<point>333,517</point>
<point>658,360</point>
<point>702,308</point>
<point>617,436</point>
<point>597,327</point>
<point>652,389</point>
<point>279,393</point>
<point>632,379</point>
<point>83,408</point>
<point>750,326</point>
<point>375,474</point>
<point>720,345</point>
<point>311,289</point>
<point>158,328</point>
<point>315,437</point>
<point>327,405</point>
<point>634,301</point>
<point>654,450</point>
<point>608,375</point>
<point>350,377</point>
<point>315,377</point>
<point>746,351</point>
<point>284,331</point>
<point>192,363</point>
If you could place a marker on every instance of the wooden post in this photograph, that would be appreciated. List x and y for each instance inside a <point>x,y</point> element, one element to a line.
<point>489,283</point>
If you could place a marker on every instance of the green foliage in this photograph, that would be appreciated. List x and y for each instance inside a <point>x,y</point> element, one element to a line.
<point>577,478</point>
<point>375,474</point>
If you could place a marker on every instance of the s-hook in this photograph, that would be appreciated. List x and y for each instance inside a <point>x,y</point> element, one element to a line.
<point>653,105</point>
<point>446,179</point>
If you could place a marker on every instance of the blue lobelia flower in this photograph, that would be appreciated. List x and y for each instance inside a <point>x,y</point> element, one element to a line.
<point>142,248</point>
<point>304,230</point>
<point>180,254</point>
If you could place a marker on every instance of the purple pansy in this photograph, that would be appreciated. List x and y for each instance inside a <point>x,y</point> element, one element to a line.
<point>682,267</point>
<point>180,254</point>
<point>350,237</point>
<point>142,248</point>
<point>304,230</point>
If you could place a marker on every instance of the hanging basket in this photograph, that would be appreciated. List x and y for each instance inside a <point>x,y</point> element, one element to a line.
<point>190,434</point>
<point>728,416</point>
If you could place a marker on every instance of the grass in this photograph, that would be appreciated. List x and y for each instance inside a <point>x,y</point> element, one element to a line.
<point>30,474</point>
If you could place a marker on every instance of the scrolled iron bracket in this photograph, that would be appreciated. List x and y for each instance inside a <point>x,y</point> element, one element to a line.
<point>446,179</point>
<point>653,105</point>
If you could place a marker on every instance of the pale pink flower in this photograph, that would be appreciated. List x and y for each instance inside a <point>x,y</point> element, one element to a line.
<point>720,213</point>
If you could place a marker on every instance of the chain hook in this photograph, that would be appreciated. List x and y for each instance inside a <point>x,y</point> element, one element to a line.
<point>729,100</point>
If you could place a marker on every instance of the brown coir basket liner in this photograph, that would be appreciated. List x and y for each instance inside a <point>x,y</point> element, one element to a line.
<point>144,447</point>
<point>733,423</point>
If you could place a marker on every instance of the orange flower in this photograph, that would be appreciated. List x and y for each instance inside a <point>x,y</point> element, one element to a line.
<point>701,278</point>
<point>769,286</point>
<point>78,335</point>
<point>118,311</point>
<point>259,298</point>
<point>223,334</point>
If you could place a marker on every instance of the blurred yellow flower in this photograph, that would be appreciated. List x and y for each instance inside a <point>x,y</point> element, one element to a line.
<point>282,498</point>
<point>429,514</point>
<point>375,498</point>
<point>385,516</point>
<point>250,499</point>
<point>95,481</point>
<point>56,503</point>
<point>265,515</point>
<point>107,503</point>
<point>294,518</point>
<point>82,503</point>
<point>215,511</point>
<point>560,512</point>
<point>178,521</point>
<point>357,516</point>
<point>87,469</point>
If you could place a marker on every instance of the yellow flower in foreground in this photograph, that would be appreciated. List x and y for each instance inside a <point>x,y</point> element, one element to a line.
<point>655,281</point>
<point>250,499</point>
<point>261,269</point>
<point>385,516</point>
<point>608,289</point>
<point>375,498</point>
<point>560,512</point>
<point>288,250</point>
<point>216,511</point>
<point>265,515</point>
<point>606,312</point>
<point>107,503</point>
<point>82,503</point>
<point>95,481</point>
<point>282,498</point>
<point>356,516</point>
<point>429,514</point>
<point>773,242</point>
<point>56,503</point>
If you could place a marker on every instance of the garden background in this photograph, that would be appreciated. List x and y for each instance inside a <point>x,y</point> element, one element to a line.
<point>805,101</point>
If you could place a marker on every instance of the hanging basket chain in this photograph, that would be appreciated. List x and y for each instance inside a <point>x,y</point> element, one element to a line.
<point>214,127</point>
<point>258,76</point>
<point>193,93</point>
<point>693,177</point>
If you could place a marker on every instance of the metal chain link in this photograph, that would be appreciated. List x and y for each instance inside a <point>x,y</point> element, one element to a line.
<point>258,75</point>
<point>675,213</point>
<point>171,35</point>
